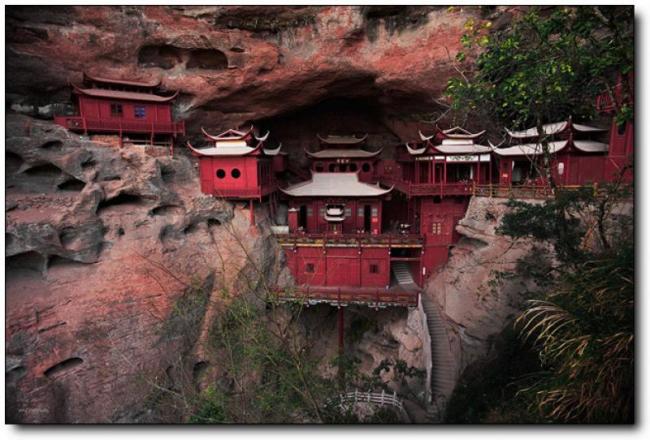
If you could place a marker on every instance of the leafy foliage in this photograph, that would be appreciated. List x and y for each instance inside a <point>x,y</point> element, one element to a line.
<point>581,320</point>
<point>547,65</point>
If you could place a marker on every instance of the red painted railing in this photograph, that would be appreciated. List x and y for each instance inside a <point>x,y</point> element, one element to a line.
<point>425,189</point>
<point>388,240</point>
<point>79,123</point>
<point>395,296</point>
<point>244,193</point>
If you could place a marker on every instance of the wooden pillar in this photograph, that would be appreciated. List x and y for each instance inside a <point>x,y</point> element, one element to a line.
<point>341,326</point>
<point>445,172</point>
<point>252,212</point>
<point>433,170</point>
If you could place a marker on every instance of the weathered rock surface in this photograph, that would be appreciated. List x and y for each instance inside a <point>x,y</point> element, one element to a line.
<point>235,64</point>
<point>95,271</point>
<point>474,297</point>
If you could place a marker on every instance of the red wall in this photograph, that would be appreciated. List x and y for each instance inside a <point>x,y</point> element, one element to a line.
<point>316,222</point>
<point>338,267</point>
<point>445,216</point>
<point>344,165</point>
<point>95,108</point>
<point>211,184</point>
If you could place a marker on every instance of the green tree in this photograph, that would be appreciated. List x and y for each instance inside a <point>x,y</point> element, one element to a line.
<point>549,64</point>
<point>581,318</point>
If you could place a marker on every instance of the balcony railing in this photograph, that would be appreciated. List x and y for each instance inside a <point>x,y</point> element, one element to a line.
<point>79,123</point>
<point>435,189</point>
<point>350,240</point>
<point>244,193</point>
<point>371,296</point>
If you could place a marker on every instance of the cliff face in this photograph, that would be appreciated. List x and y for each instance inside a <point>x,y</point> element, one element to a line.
<point>373,69</point>
<point>101,246</point>
<point>477,292</point>
<point>105,246</point>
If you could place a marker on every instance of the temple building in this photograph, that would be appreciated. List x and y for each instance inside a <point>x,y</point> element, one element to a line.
<point>344,153</point>
<point>578,154</point>
<point>135,111</point>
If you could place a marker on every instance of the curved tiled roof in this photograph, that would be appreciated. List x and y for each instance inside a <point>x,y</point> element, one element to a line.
<point>335,185</point>
<point>333,153</point>
<point>120,94</point>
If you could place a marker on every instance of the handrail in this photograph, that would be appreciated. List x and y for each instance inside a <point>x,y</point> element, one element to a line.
<point>381,399</point>
<point>80,122</point>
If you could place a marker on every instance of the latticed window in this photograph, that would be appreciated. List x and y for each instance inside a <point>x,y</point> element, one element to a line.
<point>374,268</point>
<point>116,109</point>
<point>309,268</point>
<point>139,112</point>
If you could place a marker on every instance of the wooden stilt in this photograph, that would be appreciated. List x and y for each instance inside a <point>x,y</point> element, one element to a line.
<point>252,212</point>
<point>341,324</point>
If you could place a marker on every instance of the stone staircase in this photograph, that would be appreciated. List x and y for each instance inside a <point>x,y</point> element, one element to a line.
<point>443,374</point>
<point>403,275</point>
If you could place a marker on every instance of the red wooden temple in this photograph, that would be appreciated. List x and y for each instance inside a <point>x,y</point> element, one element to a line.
<point>135,111</point>
<point>239,166</point>
<point>367,229</point>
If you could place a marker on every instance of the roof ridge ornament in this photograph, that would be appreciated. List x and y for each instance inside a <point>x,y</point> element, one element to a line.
<point>263,138</point>
<point>425,138</point>
<point>333,138</point>
<point>239,135</point>
<point>415,151</point>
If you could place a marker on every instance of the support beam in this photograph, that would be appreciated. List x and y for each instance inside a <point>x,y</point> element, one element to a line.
<point>251,209</point>
<point>341,325</point>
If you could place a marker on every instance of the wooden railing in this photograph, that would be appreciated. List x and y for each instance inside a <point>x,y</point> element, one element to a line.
<point>541,191</point>
<point>79,123</point>
<point>371,296</point>
<point>516,192</point>
<point>381,399</point>
<point>245,193</point>
<point>425,189</point>
<point>353,240</point>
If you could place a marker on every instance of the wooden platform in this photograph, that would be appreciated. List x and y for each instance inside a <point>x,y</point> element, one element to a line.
<point>395,296</point>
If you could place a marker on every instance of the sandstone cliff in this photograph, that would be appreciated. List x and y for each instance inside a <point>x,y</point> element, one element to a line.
<point>101,245</point>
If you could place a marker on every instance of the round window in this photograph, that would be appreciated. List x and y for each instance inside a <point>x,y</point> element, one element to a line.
<point>235,173</point>
<point>365,167</point>
<point>319,167</point>
<point>353,167</point>
<point>221,173</point>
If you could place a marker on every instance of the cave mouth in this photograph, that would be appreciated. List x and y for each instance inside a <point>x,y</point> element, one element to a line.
<point>163,56</point>
<point>297,129</point>
<point>209,59</point>
<point>167,57</point>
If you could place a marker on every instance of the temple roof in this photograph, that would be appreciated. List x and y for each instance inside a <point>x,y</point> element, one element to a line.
<point>120,94</point>
<point>149,84</point>
<point>333,153</point>
<point>335,185</point>
<point>463,149</point>
<point>461,146</point>
<point>416,151</point>
<point>460,133</point>
<point>591,146</point>
<point>549,129</point>
<point>341,140</point>
<point>233,148</point>
<point>534,149</point>
<point>587,128</point>
<point>229,134</point>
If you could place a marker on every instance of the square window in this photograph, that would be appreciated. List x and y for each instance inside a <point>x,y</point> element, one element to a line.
<point>139,112</point>
<point>116,110</point>
<point>309,268</point>
<point>374,268</point>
